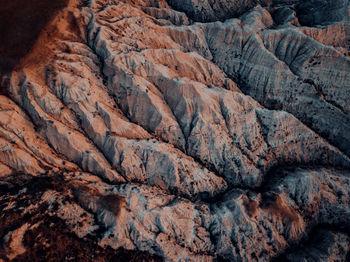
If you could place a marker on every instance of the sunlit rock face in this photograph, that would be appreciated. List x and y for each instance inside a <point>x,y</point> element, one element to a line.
<point>143,130</point>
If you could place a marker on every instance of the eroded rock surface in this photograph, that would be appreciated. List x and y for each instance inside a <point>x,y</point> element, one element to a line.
<point>180,131</point>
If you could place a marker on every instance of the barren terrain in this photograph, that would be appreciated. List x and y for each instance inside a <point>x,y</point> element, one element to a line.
<point>187,130</point>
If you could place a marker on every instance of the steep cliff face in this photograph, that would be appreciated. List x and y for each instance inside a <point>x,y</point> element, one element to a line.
<point>179,130</point>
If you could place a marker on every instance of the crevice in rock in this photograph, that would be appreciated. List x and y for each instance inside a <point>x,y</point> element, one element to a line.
<point>323,96</point>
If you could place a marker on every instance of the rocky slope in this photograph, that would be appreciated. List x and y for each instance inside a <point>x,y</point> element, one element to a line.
<point>178,131</point>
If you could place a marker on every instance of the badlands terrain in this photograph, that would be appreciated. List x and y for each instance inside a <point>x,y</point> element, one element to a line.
<point>175,130</point>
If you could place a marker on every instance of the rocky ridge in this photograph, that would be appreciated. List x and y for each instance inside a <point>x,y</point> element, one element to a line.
<point>190,130</point>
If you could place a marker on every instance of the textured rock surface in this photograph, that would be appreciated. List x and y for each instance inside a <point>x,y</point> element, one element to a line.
<point>179,131</point>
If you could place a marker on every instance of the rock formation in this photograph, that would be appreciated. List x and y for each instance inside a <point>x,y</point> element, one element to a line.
<point>188,130</point>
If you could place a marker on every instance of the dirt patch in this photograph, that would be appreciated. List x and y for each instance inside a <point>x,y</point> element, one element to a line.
<point>20,25</point>
<point>52,241</point>
<point>47,237</point>
<point>112,203</point>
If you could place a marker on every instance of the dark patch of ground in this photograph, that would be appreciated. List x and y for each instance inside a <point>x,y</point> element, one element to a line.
<point>21,22</point>
<point>318,243</point>
<point>51,240</point>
